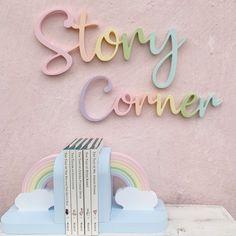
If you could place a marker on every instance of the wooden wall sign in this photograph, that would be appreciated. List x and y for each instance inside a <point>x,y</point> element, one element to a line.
<point>115,40</point>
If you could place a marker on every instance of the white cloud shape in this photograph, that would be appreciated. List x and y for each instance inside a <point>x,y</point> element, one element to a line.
<point>38,200</point>
<point>131,198</point>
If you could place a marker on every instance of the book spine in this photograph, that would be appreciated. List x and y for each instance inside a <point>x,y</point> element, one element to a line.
<point>80,191</point>
<point>73,193</point>
<point>94,190</point>
<point>87,192</point>
<point>67,191</point>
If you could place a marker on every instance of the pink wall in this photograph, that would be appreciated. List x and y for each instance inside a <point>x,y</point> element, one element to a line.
<point>187,161</point>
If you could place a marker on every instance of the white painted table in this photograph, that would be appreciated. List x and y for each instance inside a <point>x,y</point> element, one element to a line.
<point>195,220</point>
<point>199,220</point>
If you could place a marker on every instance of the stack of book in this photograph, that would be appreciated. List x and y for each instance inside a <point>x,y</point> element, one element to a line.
<point>81,186</point>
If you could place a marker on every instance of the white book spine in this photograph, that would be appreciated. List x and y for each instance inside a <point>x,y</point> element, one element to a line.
<point>94,190</point>
<point>73,193</point>
<point>80,191</point>
<point>87,192</point>
<point>67,192</point>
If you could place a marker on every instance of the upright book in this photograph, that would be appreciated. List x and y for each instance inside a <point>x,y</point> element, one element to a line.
<point>67,189</point>
<point>74,190</point>
<point>80,186</point>
<point>94,152</point>
<point>87,186</point>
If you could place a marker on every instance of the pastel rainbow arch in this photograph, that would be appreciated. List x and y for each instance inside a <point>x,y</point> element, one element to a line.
<point>122,166</point>
<point>40,175</point>
<point>129,170</point>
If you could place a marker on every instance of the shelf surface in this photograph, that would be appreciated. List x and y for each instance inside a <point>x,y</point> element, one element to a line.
<point>194,220</point>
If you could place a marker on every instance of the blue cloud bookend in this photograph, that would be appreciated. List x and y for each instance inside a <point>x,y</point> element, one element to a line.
<point>131,210</point>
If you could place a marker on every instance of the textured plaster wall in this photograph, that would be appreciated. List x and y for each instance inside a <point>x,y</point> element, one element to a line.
<point>187,161</point>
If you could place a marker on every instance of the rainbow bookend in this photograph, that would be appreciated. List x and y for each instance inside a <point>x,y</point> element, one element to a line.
<point>133,209</point>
